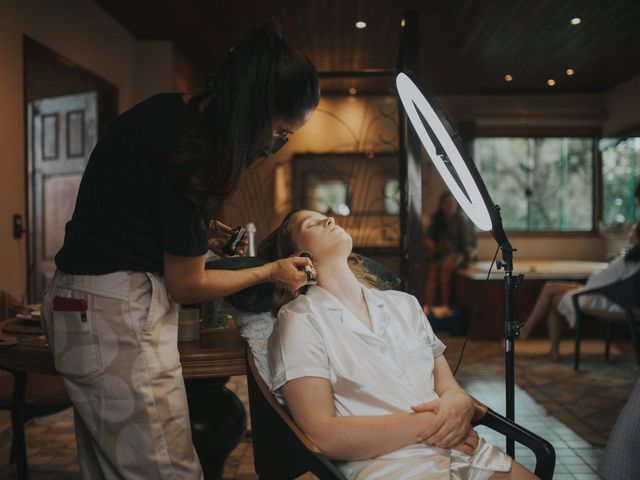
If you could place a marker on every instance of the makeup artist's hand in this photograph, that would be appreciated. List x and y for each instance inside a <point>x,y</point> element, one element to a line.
<point>454,411</point>
<point>219,235</point>
<point>289,272</point>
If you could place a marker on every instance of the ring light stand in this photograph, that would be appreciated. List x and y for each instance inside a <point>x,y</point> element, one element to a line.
<point>459,172</point>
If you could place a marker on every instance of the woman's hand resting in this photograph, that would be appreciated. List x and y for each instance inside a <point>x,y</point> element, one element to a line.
<point>452,423</point>
<point>469,444</point>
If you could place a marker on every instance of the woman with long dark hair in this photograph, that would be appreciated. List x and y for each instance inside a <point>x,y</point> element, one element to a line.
<point>135,249</point>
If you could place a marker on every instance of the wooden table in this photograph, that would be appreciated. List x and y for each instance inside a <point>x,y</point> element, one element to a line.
<point>218,419</point>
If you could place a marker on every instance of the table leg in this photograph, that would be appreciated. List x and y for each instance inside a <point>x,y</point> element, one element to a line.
<point>218,421</point>
<point>17,424</point>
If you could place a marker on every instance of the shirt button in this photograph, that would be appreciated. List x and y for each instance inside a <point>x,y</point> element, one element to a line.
<point>383,350</point>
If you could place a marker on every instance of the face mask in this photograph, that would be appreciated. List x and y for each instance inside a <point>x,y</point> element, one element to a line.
<point>279,142</point>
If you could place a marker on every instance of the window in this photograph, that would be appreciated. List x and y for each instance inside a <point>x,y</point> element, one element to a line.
<point>392,196</point>
<point>329,196</point>
<point>620,172</point>
<point>540,183</point>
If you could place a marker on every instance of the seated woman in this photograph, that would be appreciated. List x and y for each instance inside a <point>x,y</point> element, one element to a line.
<point>362,372</point>
<point>450,244</point>
<point>555,303</point>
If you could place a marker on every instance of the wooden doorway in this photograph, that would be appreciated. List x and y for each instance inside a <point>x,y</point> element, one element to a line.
<point>66,108</point>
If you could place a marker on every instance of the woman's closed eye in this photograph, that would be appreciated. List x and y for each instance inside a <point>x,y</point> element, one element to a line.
<point>310,224</point>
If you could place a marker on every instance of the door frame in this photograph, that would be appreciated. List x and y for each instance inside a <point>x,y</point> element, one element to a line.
<point>107,94</point>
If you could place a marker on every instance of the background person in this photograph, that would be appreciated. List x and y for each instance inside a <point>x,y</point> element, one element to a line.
<point>450,244</point>
<point>554,304</point>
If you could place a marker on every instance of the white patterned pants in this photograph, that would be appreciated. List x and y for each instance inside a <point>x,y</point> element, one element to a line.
<point>121,367</point>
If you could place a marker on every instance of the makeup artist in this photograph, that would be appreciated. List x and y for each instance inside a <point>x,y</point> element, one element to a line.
<point>135,249</point>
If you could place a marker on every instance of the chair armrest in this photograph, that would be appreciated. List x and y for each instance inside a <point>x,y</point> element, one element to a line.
<point>591,291</point>
<point>580,311</point>
<point>281,448</point>
<point>479,410</point>
<point>543,450</point>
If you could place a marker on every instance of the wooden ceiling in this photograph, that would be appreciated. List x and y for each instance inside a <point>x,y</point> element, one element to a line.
<point>467,46</point>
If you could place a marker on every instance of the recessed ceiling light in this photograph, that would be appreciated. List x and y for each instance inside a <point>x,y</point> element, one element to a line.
<point>353,91</point>
<point>575,21</point>
<point>508,77</point>
<point>360,24</point>
<point>403,23</point>
<point>551,82</point>
<point>570,71</point>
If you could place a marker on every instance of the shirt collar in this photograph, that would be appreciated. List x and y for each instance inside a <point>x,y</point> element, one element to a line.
<point>375,302</point>
<point>319,294</point>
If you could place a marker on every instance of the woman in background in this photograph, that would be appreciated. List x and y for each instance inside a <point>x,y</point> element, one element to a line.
<point>450,244</point>
<point>351,360</point>
<point>555,301</point>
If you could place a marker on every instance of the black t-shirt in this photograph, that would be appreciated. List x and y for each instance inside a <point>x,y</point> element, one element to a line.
<point>129,211</point>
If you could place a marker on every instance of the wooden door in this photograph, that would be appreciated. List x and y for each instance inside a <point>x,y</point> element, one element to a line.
<point>62,132</point>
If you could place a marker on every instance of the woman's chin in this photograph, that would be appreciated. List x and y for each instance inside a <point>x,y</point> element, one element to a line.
<point>339,247</point>
<point>344,241</point>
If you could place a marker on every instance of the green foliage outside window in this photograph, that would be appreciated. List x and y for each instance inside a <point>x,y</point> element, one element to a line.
<point>620,172</point>
<point>540,183</point>
<point>392,196</point>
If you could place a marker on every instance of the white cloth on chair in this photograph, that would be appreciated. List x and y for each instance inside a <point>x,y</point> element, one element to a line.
<point>256,329</point>
<point>616,271</point>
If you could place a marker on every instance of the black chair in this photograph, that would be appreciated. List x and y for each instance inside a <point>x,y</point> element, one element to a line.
<point>626,294</point>
<point>282,451</point>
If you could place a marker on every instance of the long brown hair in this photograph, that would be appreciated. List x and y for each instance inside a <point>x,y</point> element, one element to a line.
<point>260,79</point>
<point>280,244</point>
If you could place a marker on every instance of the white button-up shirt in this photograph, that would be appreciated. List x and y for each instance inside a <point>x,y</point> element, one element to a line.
<point>380,371</point>
<point>373,372</point>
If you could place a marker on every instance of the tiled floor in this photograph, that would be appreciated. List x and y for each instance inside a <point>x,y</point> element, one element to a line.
<point>573,410</point>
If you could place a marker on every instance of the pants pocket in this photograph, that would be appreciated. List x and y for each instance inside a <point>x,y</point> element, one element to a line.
<point>152,312</point>
<point>74,341</point>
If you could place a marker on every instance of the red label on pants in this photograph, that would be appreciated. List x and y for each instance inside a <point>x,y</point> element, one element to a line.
<point>66,304</point>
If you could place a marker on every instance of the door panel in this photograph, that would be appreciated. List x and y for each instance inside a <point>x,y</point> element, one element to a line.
<point>62,133</point>
<point>57,208</point>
